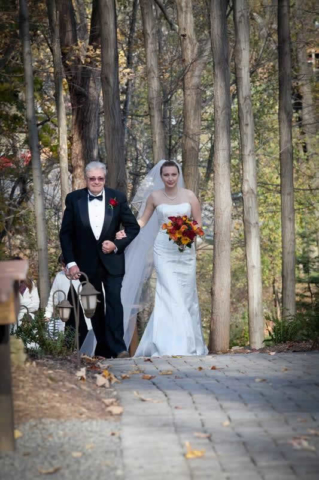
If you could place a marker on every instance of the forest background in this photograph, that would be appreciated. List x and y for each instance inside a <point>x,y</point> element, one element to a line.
<point>131,82</point>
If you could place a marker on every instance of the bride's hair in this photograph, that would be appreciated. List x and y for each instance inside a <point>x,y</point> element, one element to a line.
<point>169,163</point>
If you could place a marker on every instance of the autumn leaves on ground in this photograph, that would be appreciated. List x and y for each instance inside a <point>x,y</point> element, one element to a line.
<point>59,391</point>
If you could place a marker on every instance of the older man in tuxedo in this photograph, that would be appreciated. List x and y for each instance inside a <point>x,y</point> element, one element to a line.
<point>91,219</point>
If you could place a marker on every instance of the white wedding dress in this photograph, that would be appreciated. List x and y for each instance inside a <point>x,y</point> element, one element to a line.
<point>175,324</point>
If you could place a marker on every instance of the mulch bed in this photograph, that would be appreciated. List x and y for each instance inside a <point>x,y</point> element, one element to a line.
<point>49,389</point>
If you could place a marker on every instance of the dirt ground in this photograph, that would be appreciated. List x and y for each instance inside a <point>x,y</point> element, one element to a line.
<point>49,389</point>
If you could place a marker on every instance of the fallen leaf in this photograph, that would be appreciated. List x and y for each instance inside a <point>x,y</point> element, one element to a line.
<point>109,401</point>
<point>70,385</point>
<point>101,381</point>
<point>115,410</point>
<point>202,435</point>
<point>77,454</point>
<point>300,443</point>
<point>89,446</point>
<point>213,367</point>
<point>200,368</point>
<point>144,399</point>
<point>313,432</point>
<point>17,434</point>
<point>94,368</point>
<point>125,376</point>
<point>87,358</point>
<point>271,353</point>
<point>49,470</point>
<point>258,380</point>
<point>109,376</point>
<point>114,434</point>
<point>176,356</point>
<point>285,369</point>
<point>226,423</point>
<point>148,360</point>
<point>178,408</point>
<point>81,374</point>
<point>147,377</point>
<point>166,372</point>
<point>193,453</point>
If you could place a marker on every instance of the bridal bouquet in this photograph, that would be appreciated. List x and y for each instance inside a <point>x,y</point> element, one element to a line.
<point>182,230</point>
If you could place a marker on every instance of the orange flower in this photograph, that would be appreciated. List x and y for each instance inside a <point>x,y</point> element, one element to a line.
<point>185,240</point>
<point>183,228</point>
<point>164,226</point>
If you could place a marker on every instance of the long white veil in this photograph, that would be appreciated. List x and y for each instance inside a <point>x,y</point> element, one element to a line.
<point>139,254</point>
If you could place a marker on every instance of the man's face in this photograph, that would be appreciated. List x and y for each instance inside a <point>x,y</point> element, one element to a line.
<point>95,180</point>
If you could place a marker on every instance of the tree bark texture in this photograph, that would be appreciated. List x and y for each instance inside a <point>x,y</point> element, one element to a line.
<point>286,160</point>
<point>114,131</point>
<point>155,97</point>
<point>42,239</point>
<point>193,63</point>
<point>84,86</point>
<point>220,320</point>
<point>249,185</point>
<point>59,99</point>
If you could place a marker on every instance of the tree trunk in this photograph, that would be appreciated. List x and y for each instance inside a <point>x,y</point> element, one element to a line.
<point>129,64</point>
<point>193,63</point>
<point>84,86</point>
<point>249,187</point>
<point>286,161</point>
<point>42,240</point>
<point>155,100</point>
<point>59,99</point>
<point>220,320</point>
<point>113,125</point>
<point>309,120</point>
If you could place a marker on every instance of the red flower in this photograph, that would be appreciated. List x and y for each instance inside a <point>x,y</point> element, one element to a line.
<point>173,219</point>
<point>113,203</point>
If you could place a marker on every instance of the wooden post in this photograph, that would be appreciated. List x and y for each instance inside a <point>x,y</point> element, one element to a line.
<point>9,272</point>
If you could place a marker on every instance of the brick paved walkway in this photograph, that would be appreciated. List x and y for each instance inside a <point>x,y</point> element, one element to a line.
<point>261,413</point>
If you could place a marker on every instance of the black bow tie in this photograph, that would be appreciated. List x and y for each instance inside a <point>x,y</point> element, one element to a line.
<point>98,197</point>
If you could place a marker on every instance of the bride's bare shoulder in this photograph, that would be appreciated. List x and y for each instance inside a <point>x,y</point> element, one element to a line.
<point>189,194</point>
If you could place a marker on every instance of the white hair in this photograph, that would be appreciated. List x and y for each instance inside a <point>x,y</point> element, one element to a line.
<point>94,166</point>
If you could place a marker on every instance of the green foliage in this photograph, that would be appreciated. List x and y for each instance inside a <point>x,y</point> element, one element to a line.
<point>239,332</point>
<point>38,341</point>
<point>282,330</point>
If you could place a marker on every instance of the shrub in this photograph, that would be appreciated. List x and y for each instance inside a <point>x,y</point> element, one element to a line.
<point>37,339</point>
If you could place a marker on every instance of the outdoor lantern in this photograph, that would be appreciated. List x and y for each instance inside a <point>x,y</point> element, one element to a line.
<point>64,310</point>
<point>89,300</point>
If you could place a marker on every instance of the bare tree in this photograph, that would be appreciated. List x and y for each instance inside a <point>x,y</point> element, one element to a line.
<point>82,74</point>
<point>286,160</point>
<point>114,131</point>
<point>155,97</point>
<point>220,320</point>
<point>42,240</point>
<point>59,98</point>
<point>194,62</point>
<point>249,185</point>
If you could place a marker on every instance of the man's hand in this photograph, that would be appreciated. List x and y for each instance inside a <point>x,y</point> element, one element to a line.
<point>121,234</point>
<point>108,246</point>
<point>74,272</point>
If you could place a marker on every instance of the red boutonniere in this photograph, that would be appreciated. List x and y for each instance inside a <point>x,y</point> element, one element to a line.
<point>113,203</point>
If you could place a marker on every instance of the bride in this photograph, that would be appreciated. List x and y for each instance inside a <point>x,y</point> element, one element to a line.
<point>174,327</point>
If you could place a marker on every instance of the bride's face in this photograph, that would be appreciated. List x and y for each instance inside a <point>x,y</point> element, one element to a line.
<point>170,176</point>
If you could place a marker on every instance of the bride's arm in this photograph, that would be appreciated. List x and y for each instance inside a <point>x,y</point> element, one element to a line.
<point>196,210</point>
<point>148,212</point>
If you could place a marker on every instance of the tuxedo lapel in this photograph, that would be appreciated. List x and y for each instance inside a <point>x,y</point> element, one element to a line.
<point>108,215</point>
<point>84,210</point>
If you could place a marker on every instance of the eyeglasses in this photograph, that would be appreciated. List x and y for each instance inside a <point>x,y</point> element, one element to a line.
<point>96,179</point>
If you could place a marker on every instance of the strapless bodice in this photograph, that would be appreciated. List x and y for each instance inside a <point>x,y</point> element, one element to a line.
<point>165,210</point>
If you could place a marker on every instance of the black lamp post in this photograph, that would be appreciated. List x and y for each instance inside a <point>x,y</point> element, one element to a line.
<point>89,300</point>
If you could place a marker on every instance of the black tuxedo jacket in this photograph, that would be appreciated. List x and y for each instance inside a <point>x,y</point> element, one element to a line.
<point>78,241</point>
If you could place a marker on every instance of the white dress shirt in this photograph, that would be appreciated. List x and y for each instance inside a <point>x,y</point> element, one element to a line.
<point>96,214</point>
